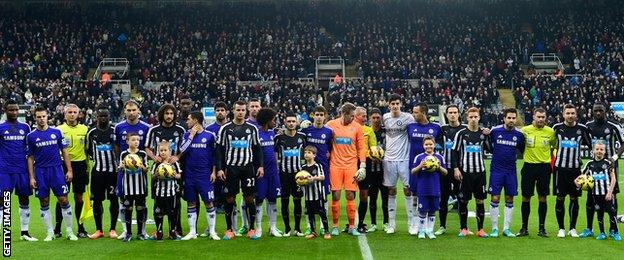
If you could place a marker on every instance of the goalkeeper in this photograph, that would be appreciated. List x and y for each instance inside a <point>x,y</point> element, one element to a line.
<point>348,148</point>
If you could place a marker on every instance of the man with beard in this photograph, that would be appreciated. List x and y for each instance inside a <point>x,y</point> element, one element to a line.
<point>166,131</point>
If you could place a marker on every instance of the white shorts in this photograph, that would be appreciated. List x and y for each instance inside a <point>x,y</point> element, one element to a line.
<point>395,171</point>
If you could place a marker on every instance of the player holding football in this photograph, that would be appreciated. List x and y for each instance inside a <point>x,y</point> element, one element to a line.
<point>135,186</point>
<point>166,190</point>
<point>44,144</point>
<point>506,141</point>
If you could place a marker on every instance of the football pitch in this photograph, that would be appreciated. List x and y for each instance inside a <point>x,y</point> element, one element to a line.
<point>377,245</point>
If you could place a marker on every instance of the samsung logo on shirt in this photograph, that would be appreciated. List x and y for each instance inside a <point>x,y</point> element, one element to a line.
<point>316,141</point>
<point>506,142</point>
<point>267,143</point>
<point>199,145</point>
<point>14,137</point>
<point>46,143</point>
<point>419,135</point>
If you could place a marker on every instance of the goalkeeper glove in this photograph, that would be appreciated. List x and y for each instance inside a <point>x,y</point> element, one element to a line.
<point>360,174</point>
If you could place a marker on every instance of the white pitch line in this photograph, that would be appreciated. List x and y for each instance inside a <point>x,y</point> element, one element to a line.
<point>364,248</point>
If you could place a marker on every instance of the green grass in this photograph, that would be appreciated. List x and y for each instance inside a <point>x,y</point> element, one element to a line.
<point>397,246</point>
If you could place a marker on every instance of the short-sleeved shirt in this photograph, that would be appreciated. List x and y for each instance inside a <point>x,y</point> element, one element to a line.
<point>75,137</point>
<point>538,143</point>
<point>46,146</point>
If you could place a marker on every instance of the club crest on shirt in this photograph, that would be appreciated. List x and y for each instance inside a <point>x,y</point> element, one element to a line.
<point>604,166</point>
<point>299,141</point>
<point>431,131</point>
<point>53,136</point>
<point>323,136</point>
<point>607,131</point>
<point>248,131</point>
<point>141,132</point>
<point>203,140</point>
<point>399,123</point>
<point>514,138</point>
<point>578,132</point>
<point>175,134</point>
<point>21,131</point>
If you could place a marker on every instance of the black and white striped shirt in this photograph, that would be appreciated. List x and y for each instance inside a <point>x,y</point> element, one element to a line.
<point>569,141</point>
<point>134,181</point>
<point>238,145</point>
<point>159,133</point>
<point>448,133</point>
<point>468,149</point>
<point>100,145</point>
<point>166,187</point>
<point>289,151</point>
<point>600,171</point>
<point>608,132</point>
<point>315,191</point>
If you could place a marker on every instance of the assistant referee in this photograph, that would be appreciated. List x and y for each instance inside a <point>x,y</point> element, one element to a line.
<point>74,135</point>
<point>540,139</point>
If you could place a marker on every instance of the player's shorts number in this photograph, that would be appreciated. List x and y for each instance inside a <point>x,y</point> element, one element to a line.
<point>65,189</point>
<point>251,182</point>
<point>211,195</point>
<point>279,191</point>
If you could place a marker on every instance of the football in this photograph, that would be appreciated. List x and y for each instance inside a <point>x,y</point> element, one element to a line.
<point>302,178</point>
<point>133,161</point>
<point>431,163</point>
<point>588,183</point>
<point>164,171</point>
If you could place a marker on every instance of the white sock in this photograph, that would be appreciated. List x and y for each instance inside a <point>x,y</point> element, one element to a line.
<point>192,220</point>
<point>67,217</point>
<point>244,216</point>
<point>122,216</point>
<point>211,215</point>
<point>235,219</point>
<point>47,220</point>
<point>409,206</point>
<point>392,210</point>
<point>259,215</point>
<point>24,212</point>
<point>272,213</point>
<point>327,206</point>
<point>430,223</point>
<point>494,214</point>
<point>508,214</point>
<point>422,221</point>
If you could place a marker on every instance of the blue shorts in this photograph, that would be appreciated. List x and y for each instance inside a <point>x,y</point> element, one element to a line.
<point>268,187</point>
<point>20,182</point>
<point>507,179</point>
<point>198,185</point>
<point>50,178</point>
<point>428,203</point>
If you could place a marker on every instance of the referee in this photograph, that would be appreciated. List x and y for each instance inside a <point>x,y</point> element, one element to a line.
<point>540,139</point>
<point>75,135</point>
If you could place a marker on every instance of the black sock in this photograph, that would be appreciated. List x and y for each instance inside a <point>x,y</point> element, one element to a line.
<point>541,210</point>
<point>128,223</point>
<point>574,209</point>
<point>97,214</point>
<point>463,214</point>
<point>362,212</point>
<point>141,214</point>
<point>559,211</point>
<point>480,215</point>
<point>286,214</point>
<point>158,218</point>
<point>589,211</point>
<point>323,214</point>
<point>372,206</point>
<point>384,203</point>
<point>526,211</point>
<point>78,212</point>
<point>114,212</point>
<point>172,219</point>
<point>443,212</point>
<point>58,214</point>
<point>251,214</point>
<point>310,210</point>
<point>297,212</point>
<point>600,216</point>
<point>229,208</point>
